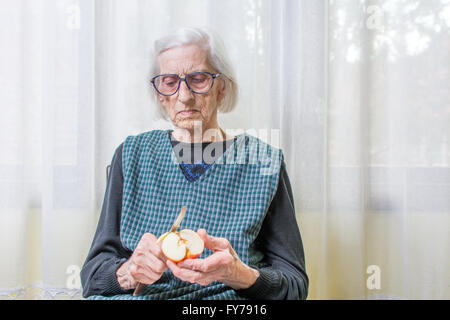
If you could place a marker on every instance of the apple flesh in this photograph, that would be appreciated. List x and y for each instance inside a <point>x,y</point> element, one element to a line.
<point>177,246</point>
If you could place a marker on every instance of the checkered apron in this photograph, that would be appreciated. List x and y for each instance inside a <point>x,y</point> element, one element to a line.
<point>229,200</point>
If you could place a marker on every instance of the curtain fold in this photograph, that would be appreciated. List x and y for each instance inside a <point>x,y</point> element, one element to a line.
<point>388,139</point>
<point>355,93</point>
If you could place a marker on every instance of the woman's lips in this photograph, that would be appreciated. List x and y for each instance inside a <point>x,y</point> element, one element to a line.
<point>187,112</point>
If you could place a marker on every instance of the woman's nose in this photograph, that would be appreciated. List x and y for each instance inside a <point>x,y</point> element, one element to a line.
<point>184,93</point>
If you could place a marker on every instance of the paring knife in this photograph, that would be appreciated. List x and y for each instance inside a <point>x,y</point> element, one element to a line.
<point>176,224</point>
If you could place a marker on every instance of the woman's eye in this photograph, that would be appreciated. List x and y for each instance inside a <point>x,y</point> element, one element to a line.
<point>198,79</point>
<point>169,81</point>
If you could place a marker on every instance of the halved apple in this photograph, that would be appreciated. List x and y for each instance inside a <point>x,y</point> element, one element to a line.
<point>194,244</point>
<point>185,244</point>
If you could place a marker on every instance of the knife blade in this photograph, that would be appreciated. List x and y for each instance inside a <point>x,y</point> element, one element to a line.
<point>178,220</point>
<point>175,226</point>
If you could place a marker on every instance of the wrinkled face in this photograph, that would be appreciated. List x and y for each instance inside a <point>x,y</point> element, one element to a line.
<point>202,107</point>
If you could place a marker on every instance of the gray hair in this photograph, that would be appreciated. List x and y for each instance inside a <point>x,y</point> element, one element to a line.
<point>218,58</point>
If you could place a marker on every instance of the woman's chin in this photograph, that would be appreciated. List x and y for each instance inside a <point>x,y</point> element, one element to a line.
<point>189,123</point>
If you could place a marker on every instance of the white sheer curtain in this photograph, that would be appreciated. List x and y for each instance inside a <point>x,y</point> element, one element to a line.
<point>388,160</point>
<point>355,92</point>
<point>48,143</point>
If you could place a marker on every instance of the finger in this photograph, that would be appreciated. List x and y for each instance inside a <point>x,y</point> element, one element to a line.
<point>216,261</point>
<point>149,243</point>
<point>155,250</point>
<point>201,278</point>
<point>202,233</point>
<point>143,275</point>
<point>146,242</point>
<point>189,275</point>
<point>183,274</point>
<point>146,277</point>
<point>146,239</point>
<point>148,261</point>
<point>155,263</point>
<point>213,243</point>
<point>145,258</point>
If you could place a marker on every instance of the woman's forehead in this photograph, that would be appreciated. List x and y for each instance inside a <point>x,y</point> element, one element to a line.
<point>184,59</point>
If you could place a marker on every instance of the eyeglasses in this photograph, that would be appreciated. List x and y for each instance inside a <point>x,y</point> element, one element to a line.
<point>197,82</point>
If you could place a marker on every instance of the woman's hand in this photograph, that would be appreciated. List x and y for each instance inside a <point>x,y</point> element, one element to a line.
<point>146,265</point>
<point>223,265</point>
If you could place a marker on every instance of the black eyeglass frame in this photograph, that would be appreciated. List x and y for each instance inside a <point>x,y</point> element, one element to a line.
<point>213,75</point>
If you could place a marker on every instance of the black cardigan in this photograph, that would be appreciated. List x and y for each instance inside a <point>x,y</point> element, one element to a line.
<point>282,273</point>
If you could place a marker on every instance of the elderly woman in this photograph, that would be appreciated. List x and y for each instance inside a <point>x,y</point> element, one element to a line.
<point>243,212</point>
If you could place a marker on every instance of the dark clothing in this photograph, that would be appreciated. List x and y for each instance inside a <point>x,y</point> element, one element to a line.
<point>282,275</point>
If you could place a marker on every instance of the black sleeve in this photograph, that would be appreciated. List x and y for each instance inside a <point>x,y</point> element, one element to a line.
<point>98,275</point>
<point>283,276</point>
